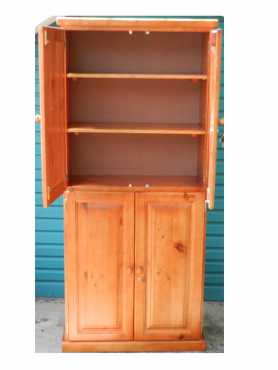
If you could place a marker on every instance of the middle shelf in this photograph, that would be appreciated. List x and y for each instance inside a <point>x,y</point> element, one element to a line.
<point>145,76</point>
<point>136,128</point>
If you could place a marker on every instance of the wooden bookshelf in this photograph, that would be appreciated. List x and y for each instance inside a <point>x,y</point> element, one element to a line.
<point>134,152</point>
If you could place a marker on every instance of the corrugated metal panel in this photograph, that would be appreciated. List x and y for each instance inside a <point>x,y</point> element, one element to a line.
<point>49,225</point>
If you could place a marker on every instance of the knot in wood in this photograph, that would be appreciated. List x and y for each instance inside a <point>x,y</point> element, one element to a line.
<point>180,247</point>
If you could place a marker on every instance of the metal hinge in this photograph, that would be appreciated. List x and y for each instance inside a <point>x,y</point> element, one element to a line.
<point>213,37</point>
<point>46,41</point>
<point>207,200</point>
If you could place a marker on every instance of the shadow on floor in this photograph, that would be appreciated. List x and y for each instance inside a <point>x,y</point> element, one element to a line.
<point>50,325</point>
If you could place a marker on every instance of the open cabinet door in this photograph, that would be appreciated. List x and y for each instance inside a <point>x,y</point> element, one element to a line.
<point>214,58</point>
<point>52,47</point>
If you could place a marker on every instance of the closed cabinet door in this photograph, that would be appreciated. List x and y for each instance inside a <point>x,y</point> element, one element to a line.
<point>169,251</point>
<point>99,265</point>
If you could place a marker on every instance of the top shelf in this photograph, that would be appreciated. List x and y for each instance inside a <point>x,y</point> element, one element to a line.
<point>139,76</point>
<point>138,24</point>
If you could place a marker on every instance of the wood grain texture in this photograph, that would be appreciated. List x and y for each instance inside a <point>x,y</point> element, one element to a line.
<point>135,24</point>
<point>135,346</point>
<point>141,76</point>
<point>53,113</point>
<point>136,128</point>
<point>100,258</point>
<point>169,252</point>
<point>213,106</point>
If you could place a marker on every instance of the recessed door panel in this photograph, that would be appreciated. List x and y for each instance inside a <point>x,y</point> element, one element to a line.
<point>169,266</point>
<point>102,270</point>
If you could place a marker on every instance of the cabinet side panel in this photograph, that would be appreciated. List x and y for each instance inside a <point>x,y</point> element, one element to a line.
<point>69,262</point>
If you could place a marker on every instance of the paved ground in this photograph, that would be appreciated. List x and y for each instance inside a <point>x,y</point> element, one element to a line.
<point>50,323</point>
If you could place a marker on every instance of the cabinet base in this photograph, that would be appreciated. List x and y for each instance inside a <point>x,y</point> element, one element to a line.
<point>134,346</point>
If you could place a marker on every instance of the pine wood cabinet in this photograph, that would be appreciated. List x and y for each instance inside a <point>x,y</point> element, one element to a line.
<point>169,249</point>
<point>129,114</point>
<point>99,260</point>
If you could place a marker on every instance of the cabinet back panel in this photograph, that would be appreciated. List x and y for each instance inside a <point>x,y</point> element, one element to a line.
<point>146,101</point>
<point>120,52</point>
<point>134,155</point>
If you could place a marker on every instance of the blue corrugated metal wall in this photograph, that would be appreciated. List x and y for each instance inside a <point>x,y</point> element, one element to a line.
<point>50,228</point>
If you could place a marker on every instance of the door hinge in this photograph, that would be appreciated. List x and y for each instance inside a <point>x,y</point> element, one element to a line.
<point>212,38</point>
<point>46,40</point>
<point>48,192</point>
<point>208,192</point>
<point>208,197</point>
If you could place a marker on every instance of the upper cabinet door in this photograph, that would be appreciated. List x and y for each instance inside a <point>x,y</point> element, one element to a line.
<point>214,58</point>
<point>52,47</point>
<point>169,266</point>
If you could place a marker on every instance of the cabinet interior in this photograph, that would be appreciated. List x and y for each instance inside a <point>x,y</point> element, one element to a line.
<point>122,52</point>
<point>137,105</point>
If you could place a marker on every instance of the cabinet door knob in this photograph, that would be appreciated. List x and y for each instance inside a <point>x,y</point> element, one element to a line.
<point>38,118</point>
<point>140,270</point>
<point>130,269</point>
<point>140,279</point>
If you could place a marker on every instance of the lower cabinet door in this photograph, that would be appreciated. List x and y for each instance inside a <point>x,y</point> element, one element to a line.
<point>99,265</point>
<point>169,266</point>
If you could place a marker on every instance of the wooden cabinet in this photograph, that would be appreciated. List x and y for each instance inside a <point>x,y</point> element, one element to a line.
<point>169,251</point>
<point>129,133</point>
<point>99,261</point>
<point>134,272</point>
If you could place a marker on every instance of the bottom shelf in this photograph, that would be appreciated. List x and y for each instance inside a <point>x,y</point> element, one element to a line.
<point>137,183</point>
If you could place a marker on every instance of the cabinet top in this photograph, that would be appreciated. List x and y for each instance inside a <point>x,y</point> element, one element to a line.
<point>137,24</point>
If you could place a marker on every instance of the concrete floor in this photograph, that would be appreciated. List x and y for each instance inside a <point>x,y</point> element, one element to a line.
<point>50,325</point>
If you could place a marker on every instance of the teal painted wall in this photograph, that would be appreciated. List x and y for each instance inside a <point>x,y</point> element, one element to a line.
<point>50,228</point>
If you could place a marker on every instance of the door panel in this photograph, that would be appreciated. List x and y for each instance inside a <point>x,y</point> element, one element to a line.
<point>100,269</point>
<point>214,59</point>
<point>169,252</point>
<point>52,48</point>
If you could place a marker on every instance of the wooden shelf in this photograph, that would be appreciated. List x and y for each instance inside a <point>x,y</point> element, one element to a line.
<point>139,76</point>
<point>136,183</point>
<point>136,128</point>
<point>137,24</point>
